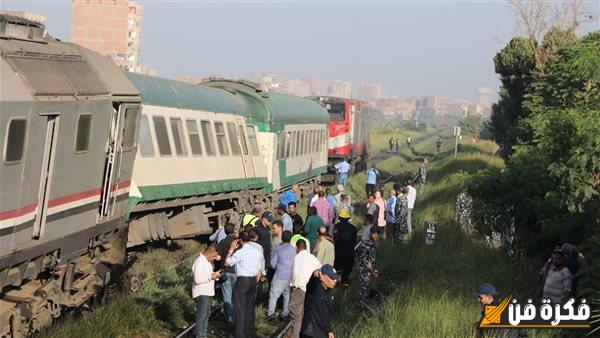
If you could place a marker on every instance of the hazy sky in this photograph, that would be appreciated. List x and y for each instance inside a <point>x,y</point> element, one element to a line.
<point>410,47</point>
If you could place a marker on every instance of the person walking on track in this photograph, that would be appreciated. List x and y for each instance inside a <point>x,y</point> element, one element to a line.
<point>342,169</point>
<point>372,174</point>
<point>367,258</point>
<point>401,215</point>
<point>438,145</point>
<point>423,175</point>
<point>305,265</point>
<point>411,196</point>
<point>248,263</point>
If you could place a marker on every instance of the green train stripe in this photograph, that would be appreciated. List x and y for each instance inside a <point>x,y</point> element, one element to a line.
<point>157,192</point>
<point>289,180</point>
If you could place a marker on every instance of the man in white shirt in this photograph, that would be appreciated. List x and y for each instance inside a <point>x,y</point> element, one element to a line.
<point>411,196</point>
<point>249,263</point>
<point>342,170</point>
<point>203,288</point>
<point>305,264</point>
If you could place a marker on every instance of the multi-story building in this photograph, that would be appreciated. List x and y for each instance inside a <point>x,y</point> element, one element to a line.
<point>484,97</point>
<point>110,27</point>
<point>341,88</point>
<point>298,87</point>
<point>438,103</point>
<point>26,15</point>
<point>458,107</point>
<point>367,90</point>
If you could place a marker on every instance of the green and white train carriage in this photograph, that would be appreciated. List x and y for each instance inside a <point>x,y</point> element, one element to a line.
<point>197,161</point>
<point>292,135</point>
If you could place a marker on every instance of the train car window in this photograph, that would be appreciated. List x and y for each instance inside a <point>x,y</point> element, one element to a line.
<point>129,127</point>
<point>243,136</point>
<point>336,111</point>
<point>178,136</point>
<point>84,128</point>
<point>233,139</point>
<point>162,137</point>
<point>209,141</point>
<point>221,138</point>
<point>313,141</point>
<point>297,141</point>
<point>15,141</point>
<point>281,146</point>
<point>288,144</point>
<point>252,139</point>
<point>145,139</point>
<point>301,142</point>
<point>194,136</point>
<point>307,142</point>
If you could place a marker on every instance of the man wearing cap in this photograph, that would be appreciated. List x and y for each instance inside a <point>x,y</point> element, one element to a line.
<point>264,234</point>
<point>487,295</point>
<point>305,264</point>
<point>367,257</point>
<point>288,223</point>
<point>318,308</point>
<point>345,237</point>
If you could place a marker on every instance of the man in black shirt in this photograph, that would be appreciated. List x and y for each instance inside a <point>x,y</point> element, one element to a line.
<point>318,307</point>
<point>263,228</point>
<point>227,272</point>
<point>296,219</point>
<point>344,238</point>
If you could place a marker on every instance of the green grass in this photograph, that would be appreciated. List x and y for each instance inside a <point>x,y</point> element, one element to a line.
<point>428,288</point>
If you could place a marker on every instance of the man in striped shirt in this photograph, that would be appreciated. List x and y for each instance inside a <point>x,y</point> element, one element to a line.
<point>557,280</point>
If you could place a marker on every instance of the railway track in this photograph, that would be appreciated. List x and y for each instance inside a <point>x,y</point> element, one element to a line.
<point>189,332</point>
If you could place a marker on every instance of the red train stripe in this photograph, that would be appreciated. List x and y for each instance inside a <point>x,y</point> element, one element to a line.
<point>60,201</point>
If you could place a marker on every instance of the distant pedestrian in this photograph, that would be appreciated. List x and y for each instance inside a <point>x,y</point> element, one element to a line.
<point>297,221</point>
<point>345,237</point>
<point>305,265</point>
<point>423,175</point>
<point>380,220</point>
<point>282,260</point>
<point>367,227</point>
<point>290,195</point>
<point>391,144</point>
<point>286,220</point>
<point>372,174</point>
<point>411,196</point>
<point>438,145</point>
<point>311,227</point>
<point>318,308</point>
<point>367,258</point>
<point>401,216</point>
<point>342,168</point>
<point>227,272</point>
<point>248,263</point>
<point>323,209</point>
<point>373,209</point>
<point>557,280</point>
<point>409,142</point>
<point>344,204</point>
<point>203,289</point>
<point>397,145</point>
<point>324,250</point>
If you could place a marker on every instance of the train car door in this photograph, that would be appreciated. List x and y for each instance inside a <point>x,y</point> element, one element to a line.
<point>46,175</point>
<point>247,159</point>
<point>122,120</point>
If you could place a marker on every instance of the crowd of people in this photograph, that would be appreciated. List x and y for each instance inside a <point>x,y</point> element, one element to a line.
<point>298,260</point>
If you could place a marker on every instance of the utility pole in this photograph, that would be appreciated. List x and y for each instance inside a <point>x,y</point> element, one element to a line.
<point>457,137</point>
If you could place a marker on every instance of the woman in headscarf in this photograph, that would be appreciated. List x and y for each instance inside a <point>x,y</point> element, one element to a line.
<point>380,221</point>
<point>401,215</point>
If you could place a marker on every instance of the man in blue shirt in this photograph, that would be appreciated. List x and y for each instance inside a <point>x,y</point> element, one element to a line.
<point>282,260</point>
<point>371,180</point>
<point>342,170</point>
<point>289,195</point>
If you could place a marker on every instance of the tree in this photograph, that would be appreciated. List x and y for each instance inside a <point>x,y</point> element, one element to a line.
<point>471,125</point>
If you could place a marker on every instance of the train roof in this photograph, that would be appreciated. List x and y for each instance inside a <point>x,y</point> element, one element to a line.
<point>171,93</point>
<point>274,108</point>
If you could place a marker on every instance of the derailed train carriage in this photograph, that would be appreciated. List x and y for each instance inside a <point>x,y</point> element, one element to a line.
<point>208,152</point>
<point>68,121</point>
<point>73,168</point>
